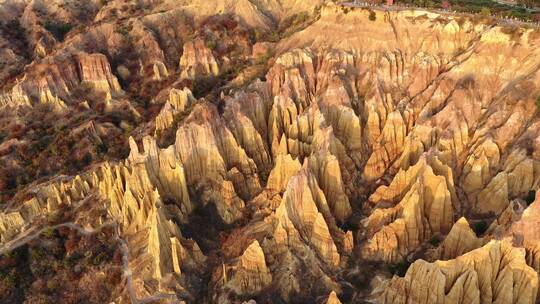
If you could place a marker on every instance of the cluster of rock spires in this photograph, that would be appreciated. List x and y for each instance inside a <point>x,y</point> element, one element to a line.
<point>368,142</point>
<point>53,82</point>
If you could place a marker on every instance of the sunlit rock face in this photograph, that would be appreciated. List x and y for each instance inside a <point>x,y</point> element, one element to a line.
<point>503,276</point>
<point>392,160</point>
<point>57,79</point>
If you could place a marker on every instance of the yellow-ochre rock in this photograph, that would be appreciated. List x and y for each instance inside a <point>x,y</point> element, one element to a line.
<point>494,273</point>
<point>285,167</point>
<point>423,208</point>
<point>197,60</point>
<point>460,240</point>
<point>333,299</point>
<point>178,103</point>
<point>55,80</point>
<point>300,219</point>
<point>251,274</point>
<point>366,139</point>
<point>388,147</point>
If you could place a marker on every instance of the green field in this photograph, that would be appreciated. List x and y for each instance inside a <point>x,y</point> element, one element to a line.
<point>486,7</point>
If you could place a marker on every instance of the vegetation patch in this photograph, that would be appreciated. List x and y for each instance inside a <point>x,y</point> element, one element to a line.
<point>399,269</point>
<point>372,16</point>
<point>480,227</point>
<point>527,10</point>
<point>58,29</point>
<point>531,196</point>
<point>67,267</point>
<point>435,240</point>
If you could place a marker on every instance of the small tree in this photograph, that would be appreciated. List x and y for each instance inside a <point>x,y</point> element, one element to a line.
<point>445,4</point>
<point>531,196</point>
<point>480,227</point>
<point>372,16</point>
<point>58,29</point>
<point>485,12</point>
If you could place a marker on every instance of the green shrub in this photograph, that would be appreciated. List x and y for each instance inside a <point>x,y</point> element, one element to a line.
<point>212,44</point>
<point>9,280</point>
<point>15,28</point>
<point>273,36</point>
<point>264,58</point>
<point>53,218</point>
<point>372,16</point>
<point>124,29</point>
<point>99,259</point>
<point>58,29</point>
<point>86,160</point>
<point>294,20</point>
<point>37,253</point>
<point>203,85</point>
<point>538,103</point>
<point>52,284</point>
<point>400,269</point>
<point>531,196</point>
<point>102,148</point>
<point>485,12</point>
<point>480,227</point>
<point>48,233</point>
<point>435,240</point>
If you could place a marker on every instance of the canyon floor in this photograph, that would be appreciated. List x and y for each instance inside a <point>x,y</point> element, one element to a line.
<point>265,151</point>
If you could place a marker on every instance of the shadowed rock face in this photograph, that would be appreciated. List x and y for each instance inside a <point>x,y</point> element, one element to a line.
<point>392,160</point>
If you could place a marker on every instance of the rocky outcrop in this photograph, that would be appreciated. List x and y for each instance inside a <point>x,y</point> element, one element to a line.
<point>135,203</point>
<point>333,299</point>
<point>56,80</point>
<point>460,240</point>
<point>300,219</point>
<point>197,60</point>
<point>285,168</point>
<point>387,147</point>
<point>178,103</point>
<point>216,166</point>
<point>494,273</point>
<point>523,232</point>
<point>423,207</point>
<point>251,274</point>
<point>94,71</point>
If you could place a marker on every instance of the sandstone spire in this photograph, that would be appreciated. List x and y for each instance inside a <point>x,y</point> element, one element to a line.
<point>252,274</point>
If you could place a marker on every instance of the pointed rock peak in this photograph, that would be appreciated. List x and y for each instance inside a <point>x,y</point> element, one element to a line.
<point>180,98</point>
<point>333,299</point>
<point>202,113</point>
<point>251,274</point>
<point>285,167</point>
<point>253,257</point>
<point>197,60</point>
<point>461,239</point>
<point>462,223</point>
<point>296,57</point>
<point>479,276</point>
<point>134,153</point>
